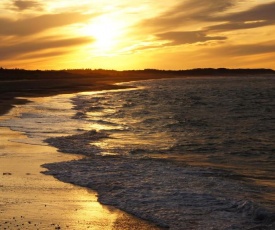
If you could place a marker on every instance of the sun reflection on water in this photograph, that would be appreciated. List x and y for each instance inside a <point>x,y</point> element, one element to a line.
<point>92,213</point>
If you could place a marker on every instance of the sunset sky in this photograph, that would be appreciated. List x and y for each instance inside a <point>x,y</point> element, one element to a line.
<point>123,34</point>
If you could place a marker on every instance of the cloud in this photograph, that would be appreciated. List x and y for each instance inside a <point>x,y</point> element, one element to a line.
<point>170,24</point>
<point>245,49</point>
<point>237,26</point>
<point>24,5</point>
<point>41,45</point>
<point>33,25</point>
<point>257,13</point>
<point>187,37</point>
<point>196,12</point>
<point>194,7</point>
<point>174,24</point>
<point>188,12</point>
<point>258,16</point>
<point>39,55</point>
<point>174,38</point>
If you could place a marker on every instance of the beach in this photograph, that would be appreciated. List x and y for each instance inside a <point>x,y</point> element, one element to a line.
<point>143,115</point>
<point>32,200</point>
<point>182,153</point>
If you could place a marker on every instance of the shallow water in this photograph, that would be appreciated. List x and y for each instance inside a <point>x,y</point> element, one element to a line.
<point>228,123</point>
<point>193,153</point>
<point>31,200</point>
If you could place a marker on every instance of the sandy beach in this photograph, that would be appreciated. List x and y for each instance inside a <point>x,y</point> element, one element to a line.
<point>32,200</point>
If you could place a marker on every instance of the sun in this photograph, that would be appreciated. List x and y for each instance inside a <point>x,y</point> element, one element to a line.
<point>106,31</point>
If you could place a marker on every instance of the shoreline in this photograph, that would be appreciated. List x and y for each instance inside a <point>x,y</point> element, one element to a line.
<point>171,201</point>
<point>52,204</point>
<point>16,207</point>
<point>11,99</point>
<point>39,86</point>
<point>50,83</point>
<point>97,88</point>
<point>128,178</point>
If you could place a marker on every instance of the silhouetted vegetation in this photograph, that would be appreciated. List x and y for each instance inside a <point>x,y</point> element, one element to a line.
<point>208,71</point>
<point>14,74</point>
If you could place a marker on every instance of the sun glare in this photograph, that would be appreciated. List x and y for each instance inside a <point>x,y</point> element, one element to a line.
<point>106,31</point>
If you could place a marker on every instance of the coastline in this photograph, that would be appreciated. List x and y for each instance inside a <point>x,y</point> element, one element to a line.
<point>21,168</point>
<point>153,183</point>
<point>12,88</point>
<point>22,83</point>
<point>32,200</point>
<point>10,99</point>
<point>106,199</point>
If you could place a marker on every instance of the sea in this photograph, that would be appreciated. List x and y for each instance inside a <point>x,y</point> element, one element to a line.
<point>184,153</point>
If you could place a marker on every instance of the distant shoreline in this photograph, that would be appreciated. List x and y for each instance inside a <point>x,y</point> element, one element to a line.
<point>36,83</point>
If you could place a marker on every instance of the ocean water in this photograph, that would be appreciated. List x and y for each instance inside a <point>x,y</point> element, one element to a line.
<point>189,153</point>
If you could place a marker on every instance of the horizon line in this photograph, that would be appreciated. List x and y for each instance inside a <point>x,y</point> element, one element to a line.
<point>145,69</point>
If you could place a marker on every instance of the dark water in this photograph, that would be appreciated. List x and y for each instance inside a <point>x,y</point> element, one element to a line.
<point>193,153</point>
<point>226,122</point>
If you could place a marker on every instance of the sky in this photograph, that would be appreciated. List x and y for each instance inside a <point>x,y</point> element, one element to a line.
<point>123,34</point>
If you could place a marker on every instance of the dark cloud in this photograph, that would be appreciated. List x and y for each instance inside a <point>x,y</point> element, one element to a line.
<point>41,45</point>
<point>179,38</point>
<point>188,12</point>
<point>258,16</point>
<point>38,24</point>
<point>213,11</point>
<point>245,49</point>
<point>24,5</point>
<point>195,7</point>
<point>184,14</point>
<point>237,26</point>
<point>264,12</point>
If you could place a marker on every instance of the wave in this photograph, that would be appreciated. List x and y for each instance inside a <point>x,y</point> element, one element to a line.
<point>202,121</point>
<point>166,193</point>
<point>78,144</point>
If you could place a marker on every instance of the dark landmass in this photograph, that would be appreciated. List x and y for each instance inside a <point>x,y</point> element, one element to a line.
<point>34,83</point>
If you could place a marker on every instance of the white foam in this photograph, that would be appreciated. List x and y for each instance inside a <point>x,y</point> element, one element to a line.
<point>167,193</point>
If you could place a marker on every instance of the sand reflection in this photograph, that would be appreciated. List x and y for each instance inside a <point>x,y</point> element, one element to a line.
<point>31,200</point>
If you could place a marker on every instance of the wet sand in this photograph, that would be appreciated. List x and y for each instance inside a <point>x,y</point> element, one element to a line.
<point>32,200</point>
